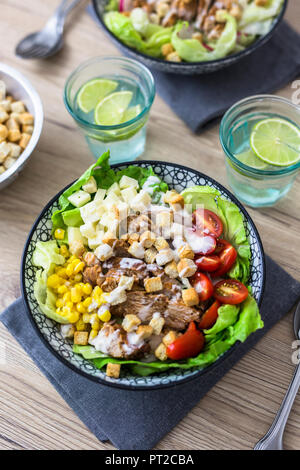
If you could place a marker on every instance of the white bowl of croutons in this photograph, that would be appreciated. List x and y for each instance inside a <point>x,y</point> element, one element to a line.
<point>21,122</point>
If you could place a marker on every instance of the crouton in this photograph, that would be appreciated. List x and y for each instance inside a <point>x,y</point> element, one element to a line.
<point>164,256</point>
<point>157,322</point>
<point>153,284</point>
<point>150,255</point>
<point>113,370</point>
<point>161,352</point>
<point>186,267</point>
<point>17,107</point>
<point>147,239</point>
<point>81,338</point>
<point>109,238</point>
<point>104,252</point>
<point>160,243</point>
<point>126,282</point>
<point>164,219</point>
<point>9,161</point>
<point>167,49</point>
<point>171,269</point>
<point>137,250</point>
<point>14,135</point>
<point>144,331</point>
<point>131,322</point>
<point>185,251</point>
<point>169,338</point>
<point>133,237</point>
<point>77,248</point>
<point>25,138</point>
<point>26,118</point>
<point>190,297</point>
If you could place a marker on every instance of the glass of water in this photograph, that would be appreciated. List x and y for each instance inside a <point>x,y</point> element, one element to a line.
<point>126,139</point>
<point>254,182</point>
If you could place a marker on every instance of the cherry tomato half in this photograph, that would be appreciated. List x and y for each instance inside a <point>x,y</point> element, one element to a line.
<point>210,316</point>
<point>227,255</point>
<point>187,345</point>
<point>203,286</point>
<point>208,263</point>
<point>200,244</point>
<point>230,291</point>
<point>207,222</point>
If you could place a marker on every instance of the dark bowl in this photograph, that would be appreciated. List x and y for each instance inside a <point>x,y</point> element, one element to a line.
<point>185,68</point>
<point>178,177</point>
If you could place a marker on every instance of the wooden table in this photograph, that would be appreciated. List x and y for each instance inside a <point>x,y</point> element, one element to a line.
<point>241,407</point>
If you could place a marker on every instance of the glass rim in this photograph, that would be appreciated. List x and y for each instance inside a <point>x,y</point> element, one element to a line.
<point>281,170</point>
<point>125,60</point>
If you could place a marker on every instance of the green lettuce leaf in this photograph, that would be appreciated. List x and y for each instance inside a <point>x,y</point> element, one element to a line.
<point>227,316</point>
<point>46,255</point>
<point>253,13</point>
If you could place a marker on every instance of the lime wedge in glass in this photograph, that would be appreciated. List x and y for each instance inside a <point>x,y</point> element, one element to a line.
<point>111,109</point>
<point>250,159</point>
<point>94,91</point>
<point>131,113</point>
<point>276,141</point>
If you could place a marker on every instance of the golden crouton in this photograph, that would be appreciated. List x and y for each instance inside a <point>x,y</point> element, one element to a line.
<point>3,132</point>
<point>161,352</point>
<point>261,3</point>
<point>174,57</point>
<point>166,49</point>
<point>171,269</point>
<point>172,197</point>
<point>136,250</point>
<point>81,337</point>
<point>164,219</point>
<point>26,118</point>
<point>133,237</point>
<point>125,237</point>
<point>109,238</point>
<point>164,256</point>
<point>126,281</point>
<point>198,36</point>
<point>157,324</point>
<point>185,251</point>
<point>15,150</point>
<point>153,284</point>
<point>169,338</point>
<point>2,169</point>
<point>28,129</point>
<point>186,267</point>
<point>150,255</point>
<point>17,107</point>
<point>147,239</point>
<point>77,248</point>
<point>12,123</point>
<point>3,115</point>
<point>162,8</point>
<point>190,297</point>
<point>113,370</point>
<point>144,331</point>
<point>9,161</point>
<point>25,138</point>
<point>236,11</point>
<point>14,135</point>
<point>161,244</point>
<point>130,322</point>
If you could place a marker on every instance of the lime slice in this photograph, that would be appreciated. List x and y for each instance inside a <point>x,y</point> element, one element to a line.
<point>250,159</point>
<point>110,110</point>
<point>276,141</point>
<point>131,113</point>
<point>94,91</point>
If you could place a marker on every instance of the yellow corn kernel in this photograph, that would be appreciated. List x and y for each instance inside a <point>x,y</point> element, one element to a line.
<point>80,325</point>
<point>54,281</point>
<point>59,234</point>
<point>105,316</point>
<point>59,303</point>
<point>87,302</point>
<point>62,289</point>
<point>69,270</point>
<point>78,278</point>
<point>64,251</point>
<point>97,291</point>
<point>78,267</point>
<point>73,317</point>
<point>93,334</point>
<point>70,305</point>
<point>67,297</point>
<point>62,273</point>
<point>87,289</point>
<point>80,307</point>
<point>76,294</point>
<point>95,322</point>
<point>86,318</point>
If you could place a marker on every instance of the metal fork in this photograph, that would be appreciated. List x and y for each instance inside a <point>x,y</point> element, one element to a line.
<point>49,40</point>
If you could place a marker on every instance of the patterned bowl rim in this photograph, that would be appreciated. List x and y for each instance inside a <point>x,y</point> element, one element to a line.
<point>136,387</point>
<point>224,61</point>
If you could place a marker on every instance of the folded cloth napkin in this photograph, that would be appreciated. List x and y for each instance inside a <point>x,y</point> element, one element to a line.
<point>139,419</point>
<point>199,99</point>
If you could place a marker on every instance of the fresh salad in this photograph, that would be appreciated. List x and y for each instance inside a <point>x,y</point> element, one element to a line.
<point>139,276</point>
<point>190,30</point>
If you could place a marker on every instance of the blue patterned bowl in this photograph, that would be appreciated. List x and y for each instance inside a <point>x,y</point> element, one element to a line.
<point>177,177</point>
<point>185,68</point>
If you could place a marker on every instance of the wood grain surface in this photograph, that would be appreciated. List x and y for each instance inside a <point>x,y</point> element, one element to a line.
<point>241,407</point>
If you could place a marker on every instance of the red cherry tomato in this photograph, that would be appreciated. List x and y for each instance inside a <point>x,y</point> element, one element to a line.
<point>230,291</point>
<point>207,222</point>
<point>208,263</point>
<point>227,255</point>
<point>203,286</point>
<point>188,345</point>
<point>209,317</point>
<point>200,244</point>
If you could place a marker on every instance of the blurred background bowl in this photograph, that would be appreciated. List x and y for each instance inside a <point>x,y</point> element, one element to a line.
<point>185,68</point>
<point>21,89</point>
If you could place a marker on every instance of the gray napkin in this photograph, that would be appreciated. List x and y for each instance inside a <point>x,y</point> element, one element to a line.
<point>199,99</point>
<point>139,419</point>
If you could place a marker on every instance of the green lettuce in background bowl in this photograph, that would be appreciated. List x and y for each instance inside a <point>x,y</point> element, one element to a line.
<point>234,324</point>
